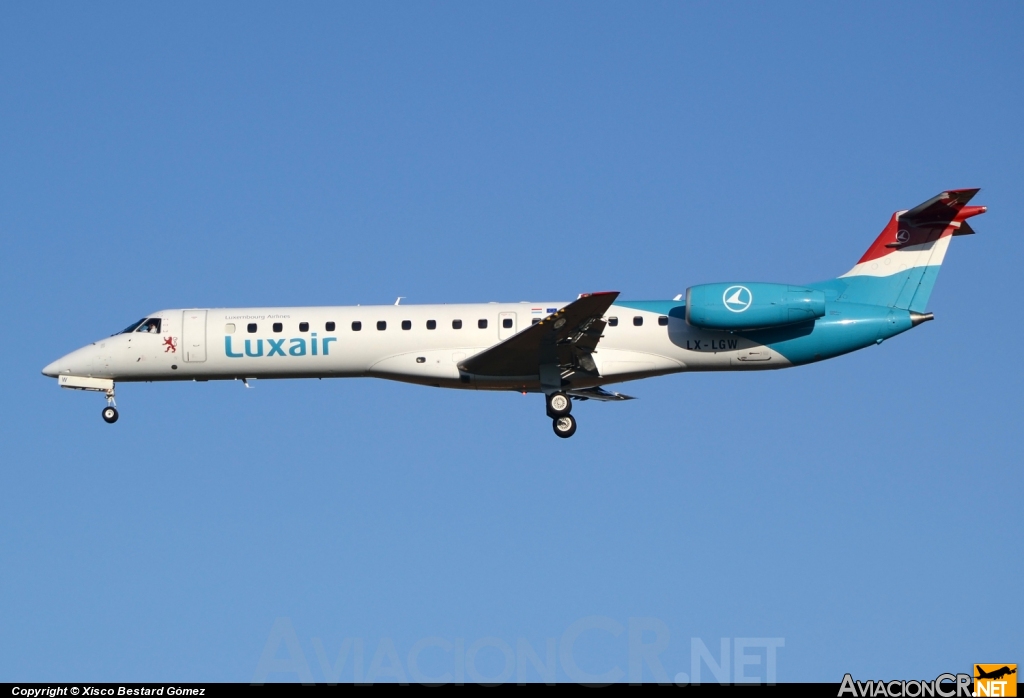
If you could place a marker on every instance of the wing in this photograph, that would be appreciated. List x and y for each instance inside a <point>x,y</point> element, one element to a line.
<point>565,339</point>
<point>598,394</point>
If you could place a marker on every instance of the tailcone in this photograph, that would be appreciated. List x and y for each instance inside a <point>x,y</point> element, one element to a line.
<point>917,318</point>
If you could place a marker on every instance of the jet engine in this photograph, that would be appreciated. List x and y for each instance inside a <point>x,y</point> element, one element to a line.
<point>751,306</point>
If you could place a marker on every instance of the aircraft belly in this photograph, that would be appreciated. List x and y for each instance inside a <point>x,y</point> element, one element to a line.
<point>427,367</point>
<point>619,364</point>
<point>757,358</point>
<point>134,368</point>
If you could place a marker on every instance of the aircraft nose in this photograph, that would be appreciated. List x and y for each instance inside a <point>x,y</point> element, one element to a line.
<point>52,369</point>
<point>80,362</point>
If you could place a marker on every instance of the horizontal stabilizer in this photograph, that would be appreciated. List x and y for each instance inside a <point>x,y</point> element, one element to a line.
<point>939,209</point>
<point>964,229</point>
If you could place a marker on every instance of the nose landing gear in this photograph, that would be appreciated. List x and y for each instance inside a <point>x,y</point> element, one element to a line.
<point>110,411</point>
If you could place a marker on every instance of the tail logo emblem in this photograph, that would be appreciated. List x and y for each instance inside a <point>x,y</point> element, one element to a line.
<point>903,236</point>
<point>737,298</point>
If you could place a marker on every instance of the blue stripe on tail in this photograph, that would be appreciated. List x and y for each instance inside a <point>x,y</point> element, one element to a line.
<point>908,290</point>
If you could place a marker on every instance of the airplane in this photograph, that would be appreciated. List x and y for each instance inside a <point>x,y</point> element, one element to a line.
<point>566,351</point>
<point>995,674</point>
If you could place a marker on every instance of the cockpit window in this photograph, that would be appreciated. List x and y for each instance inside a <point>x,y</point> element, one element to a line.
<point>132,327</point>
<point>146,324</point>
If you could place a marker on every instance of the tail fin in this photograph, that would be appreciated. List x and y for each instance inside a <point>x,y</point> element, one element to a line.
<point>900,268</point>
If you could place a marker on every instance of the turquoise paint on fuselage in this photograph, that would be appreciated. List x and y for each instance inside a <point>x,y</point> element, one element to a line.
<point>908,289</point>
<point>847,326</point>
<point>896,290</point>
<point>860,311</point>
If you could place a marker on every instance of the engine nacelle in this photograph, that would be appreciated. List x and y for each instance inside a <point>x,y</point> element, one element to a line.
<point>751,306</point>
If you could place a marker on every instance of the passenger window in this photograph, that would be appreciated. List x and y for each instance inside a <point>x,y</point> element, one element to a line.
<point>329,327</point>
<point>356,326</point>
<point>482,324</point>
<point>507,323</point>
<point>382,325</point>
<point>456,324</point>
<point>151,325</point>
<point>406,324</point>
<point>303,327</point>
<point>535,321</point>
<point>613,322</point>
<point>251,328</point>
<point>431,324</point>
<point>278,327</point>
<point>662,320</point>
<point>229,328</point>
<point>638,320</point>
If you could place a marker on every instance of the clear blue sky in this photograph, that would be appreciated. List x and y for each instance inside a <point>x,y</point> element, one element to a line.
<point>154,156</point>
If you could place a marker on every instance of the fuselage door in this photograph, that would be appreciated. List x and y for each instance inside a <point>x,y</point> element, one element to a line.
<point>193,335</point>
<point>506,325</point>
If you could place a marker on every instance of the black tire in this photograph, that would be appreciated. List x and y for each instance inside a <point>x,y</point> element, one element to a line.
<point>109,415</point>
<point>564,426</point>
<point>559,405</point>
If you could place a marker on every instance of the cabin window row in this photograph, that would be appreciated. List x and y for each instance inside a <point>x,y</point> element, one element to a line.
<point>382,325</point>
<point>357,325</point>
<point>638,321</point>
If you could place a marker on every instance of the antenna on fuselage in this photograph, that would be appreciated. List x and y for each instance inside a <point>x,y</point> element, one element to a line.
<point>398,301</point>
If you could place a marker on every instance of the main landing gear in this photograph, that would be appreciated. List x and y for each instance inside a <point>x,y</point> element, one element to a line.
<point>559,406</point>
<point>110,411</point>
<point>564,426</point>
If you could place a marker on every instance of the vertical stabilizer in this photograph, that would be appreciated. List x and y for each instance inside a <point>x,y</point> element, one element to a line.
<point>900,268</point>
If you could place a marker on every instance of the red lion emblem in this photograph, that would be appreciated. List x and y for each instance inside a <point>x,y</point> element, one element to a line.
<point>172,345</point>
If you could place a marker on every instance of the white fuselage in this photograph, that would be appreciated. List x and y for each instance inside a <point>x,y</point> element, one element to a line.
<point>301,342</point>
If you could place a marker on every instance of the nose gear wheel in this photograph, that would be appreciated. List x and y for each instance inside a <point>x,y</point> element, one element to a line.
<point>110,411</point>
